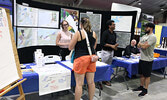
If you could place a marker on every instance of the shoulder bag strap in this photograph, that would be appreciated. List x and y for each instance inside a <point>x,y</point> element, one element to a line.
<point>80,34</point>
<point>87,41</point>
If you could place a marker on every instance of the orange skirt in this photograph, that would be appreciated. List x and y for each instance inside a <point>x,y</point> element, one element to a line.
<point>83,64</point>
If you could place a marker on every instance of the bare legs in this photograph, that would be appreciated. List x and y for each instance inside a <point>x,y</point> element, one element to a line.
<point>79,78</point>
<point>147,82</point>
<point>79,83</point>
<point>91,85</point>
<point>144,81</point>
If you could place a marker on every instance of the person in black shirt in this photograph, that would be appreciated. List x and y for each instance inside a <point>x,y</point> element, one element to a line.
<point>131,49</point>
<point>109,44</point>
<point>83,65</point>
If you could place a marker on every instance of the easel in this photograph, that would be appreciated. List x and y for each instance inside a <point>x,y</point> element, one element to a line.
<point>12,86</point>
<point>20,80</point>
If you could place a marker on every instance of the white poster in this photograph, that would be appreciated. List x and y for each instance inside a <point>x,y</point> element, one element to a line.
<point>47,36</point>
<point>8,67</point>
<point>123,23</point>
<point>48,18</point>
<point>26,37</point>
<point>26,16</point>
<point>122,7</point>
<point>53,78</point>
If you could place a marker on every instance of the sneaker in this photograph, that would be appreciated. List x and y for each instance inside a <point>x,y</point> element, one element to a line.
<point>143,93</point>
<point>139,88</point>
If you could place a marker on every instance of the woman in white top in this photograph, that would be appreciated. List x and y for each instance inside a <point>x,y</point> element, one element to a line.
<point>63,39</point>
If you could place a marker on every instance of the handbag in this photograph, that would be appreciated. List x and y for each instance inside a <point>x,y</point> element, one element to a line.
<point>71,56</point>
<point>94,58</point>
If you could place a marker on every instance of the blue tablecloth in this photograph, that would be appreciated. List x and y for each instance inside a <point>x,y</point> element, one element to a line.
<point>103,73</point>
<point>132,68</point>
<point>161,52</point>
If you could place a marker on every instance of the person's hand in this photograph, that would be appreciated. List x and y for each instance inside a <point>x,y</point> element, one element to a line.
<point>146,42</point>
<point>94,58</point>
<point>139,46</point>
<point>115,46</point>
<point>138,54</point>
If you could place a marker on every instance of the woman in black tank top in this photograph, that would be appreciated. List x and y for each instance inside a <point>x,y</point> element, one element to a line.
<point>82,64</point>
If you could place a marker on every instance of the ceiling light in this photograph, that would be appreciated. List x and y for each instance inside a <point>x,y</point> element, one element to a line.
<point>139,3</point>
<point>162,9</point>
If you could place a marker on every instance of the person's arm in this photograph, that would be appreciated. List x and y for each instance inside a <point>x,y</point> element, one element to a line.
<point>148,43</point>
<point>103,43</point>
<point>94,35</point>
<point>73,41</point>
<point>144,45</point>
<point>58,40</point>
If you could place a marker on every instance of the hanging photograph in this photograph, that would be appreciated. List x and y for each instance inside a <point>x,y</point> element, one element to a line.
<point>71,16</point>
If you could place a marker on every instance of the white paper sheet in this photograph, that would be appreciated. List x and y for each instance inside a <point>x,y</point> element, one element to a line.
<point>72,23</point>
<point>8,68</point>
<point>53,78</point>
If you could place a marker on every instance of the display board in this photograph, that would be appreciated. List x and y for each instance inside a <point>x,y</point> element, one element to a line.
<point>95,20</point>
<point>47,36</point>
<point>48,18</point>
<point>123,23</point>
<point>33,24</point>
<point>26,37</point>
<point>27,16</point>
<point>10,68</point>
